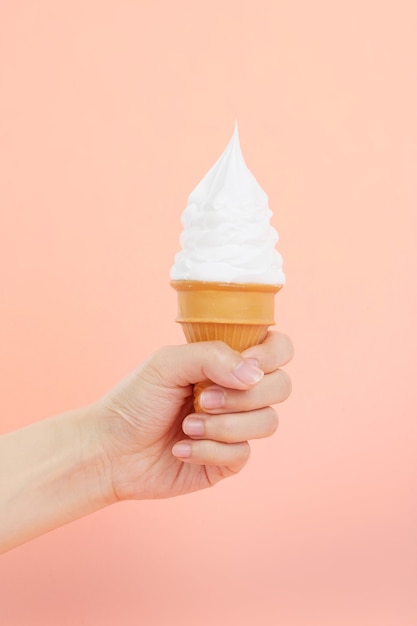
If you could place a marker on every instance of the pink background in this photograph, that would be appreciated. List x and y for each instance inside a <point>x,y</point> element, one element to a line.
<point>110,113</point>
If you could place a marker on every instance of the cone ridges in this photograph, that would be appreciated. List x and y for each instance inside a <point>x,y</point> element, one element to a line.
<point>237,314</point>
<point>237,336</point>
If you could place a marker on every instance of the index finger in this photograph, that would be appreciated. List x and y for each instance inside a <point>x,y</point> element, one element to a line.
<point>274,352</point>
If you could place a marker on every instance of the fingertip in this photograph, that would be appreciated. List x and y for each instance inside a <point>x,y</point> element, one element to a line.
<point>182,450</point>
<point>275,351</point>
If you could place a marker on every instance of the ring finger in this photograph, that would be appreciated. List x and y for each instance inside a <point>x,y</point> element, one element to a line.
<point>232,427</point>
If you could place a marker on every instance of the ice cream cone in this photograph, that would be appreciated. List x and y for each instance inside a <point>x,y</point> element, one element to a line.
<point>238,314</point>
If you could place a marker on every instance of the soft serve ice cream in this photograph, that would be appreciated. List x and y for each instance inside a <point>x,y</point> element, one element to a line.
<point>228,271</point>
<point>227,234</point>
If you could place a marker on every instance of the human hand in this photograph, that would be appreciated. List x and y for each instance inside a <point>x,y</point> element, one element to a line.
<point>142,422</point>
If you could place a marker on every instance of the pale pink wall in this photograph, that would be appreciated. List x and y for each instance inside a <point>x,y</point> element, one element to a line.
<point>110,113</point>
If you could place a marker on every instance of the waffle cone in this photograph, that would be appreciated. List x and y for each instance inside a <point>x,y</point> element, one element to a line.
<point>238,314</point>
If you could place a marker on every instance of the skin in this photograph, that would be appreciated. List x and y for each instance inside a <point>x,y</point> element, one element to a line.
<point>143,440</point>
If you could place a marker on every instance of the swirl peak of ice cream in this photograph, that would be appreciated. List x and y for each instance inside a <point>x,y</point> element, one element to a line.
<point>227,234</point>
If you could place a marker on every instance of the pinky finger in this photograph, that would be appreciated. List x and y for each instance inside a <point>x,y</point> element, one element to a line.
<point>234,456</point>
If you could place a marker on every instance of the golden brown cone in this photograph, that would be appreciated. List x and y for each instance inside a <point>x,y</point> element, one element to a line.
<point>238,314</point>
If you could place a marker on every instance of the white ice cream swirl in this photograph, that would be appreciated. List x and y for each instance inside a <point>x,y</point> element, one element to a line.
<point>227,234</point>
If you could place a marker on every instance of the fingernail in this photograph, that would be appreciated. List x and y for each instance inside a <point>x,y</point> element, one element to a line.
<point>248,373</point>
<point>212,399</point>
<point>182,450</point>
<point>193,427</point>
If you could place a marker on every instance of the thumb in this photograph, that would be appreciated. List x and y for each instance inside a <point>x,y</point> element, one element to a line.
<point>213,360</point>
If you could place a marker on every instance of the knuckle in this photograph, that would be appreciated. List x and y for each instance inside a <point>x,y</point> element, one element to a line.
<point>222,428</point>
<point>153,368</point>
<point>211,451</point>
<point>272,420</point>
<point>232,429</point>
<point>217,358</point>
<point>287,347</point>
<point>244,451</point>
<point>160,356</point>
<point>285,385</point>
<point>161,352</point>
<point>216,350</point>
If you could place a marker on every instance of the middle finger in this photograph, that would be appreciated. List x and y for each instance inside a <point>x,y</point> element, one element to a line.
<point>272,389</point>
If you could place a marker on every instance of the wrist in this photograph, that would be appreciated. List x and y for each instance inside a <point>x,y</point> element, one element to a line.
<point>95,462</point>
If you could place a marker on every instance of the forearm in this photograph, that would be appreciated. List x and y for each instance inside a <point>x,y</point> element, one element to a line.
<point>51,473</point>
